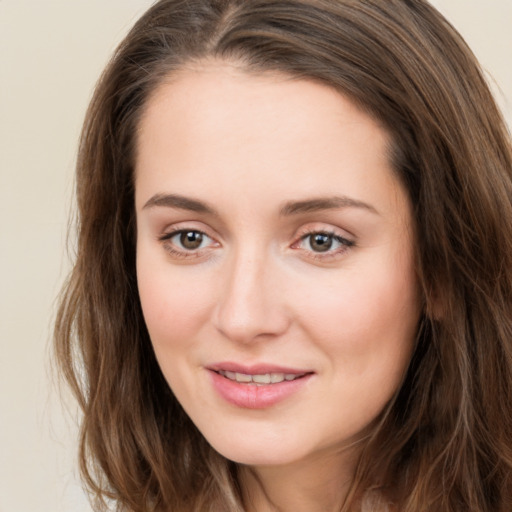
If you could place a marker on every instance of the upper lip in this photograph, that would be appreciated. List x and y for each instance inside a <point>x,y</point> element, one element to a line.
<point>255,369</point>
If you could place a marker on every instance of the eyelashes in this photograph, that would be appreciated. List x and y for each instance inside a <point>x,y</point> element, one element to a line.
<point>323,243</point>
<point>187,243</point>
<point>189,240</point>
<point>194,243</point>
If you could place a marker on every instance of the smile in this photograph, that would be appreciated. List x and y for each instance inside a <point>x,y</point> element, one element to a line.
<point>258,386</point>
<point>259,379</point>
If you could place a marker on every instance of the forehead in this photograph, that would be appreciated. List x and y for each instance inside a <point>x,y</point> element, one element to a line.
<point>216,125</point>
<point>202,90</point>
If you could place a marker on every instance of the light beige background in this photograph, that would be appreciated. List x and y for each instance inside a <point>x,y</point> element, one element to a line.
<point>51,52</point>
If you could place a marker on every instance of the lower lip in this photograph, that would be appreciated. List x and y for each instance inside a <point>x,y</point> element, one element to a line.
<point>252,396</point>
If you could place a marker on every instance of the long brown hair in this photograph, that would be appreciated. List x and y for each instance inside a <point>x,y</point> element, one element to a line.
<point>444,443</point>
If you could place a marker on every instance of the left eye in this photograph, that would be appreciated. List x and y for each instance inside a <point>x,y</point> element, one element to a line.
<point>323,242</point>
<point>189,239</point>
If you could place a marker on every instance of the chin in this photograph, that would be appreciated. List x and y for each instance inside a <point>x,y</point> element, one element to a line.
<point>257,457</point>
<point>251,450</point>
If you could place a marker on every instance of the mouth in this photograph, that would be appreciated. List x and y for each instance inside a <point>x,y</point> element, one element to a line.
<point>260,379</point>
<point>259,386</point>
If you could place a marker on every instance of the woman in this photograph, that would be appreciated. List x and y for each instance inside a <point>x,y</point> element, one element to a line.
<point>294,269</point>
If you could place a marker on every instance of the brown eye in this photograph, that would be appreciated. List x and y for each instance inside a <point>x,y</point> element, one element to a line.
<point>187,243</point>
<point>320,242</point>
<point>324,243</point>
<point>191,240</point>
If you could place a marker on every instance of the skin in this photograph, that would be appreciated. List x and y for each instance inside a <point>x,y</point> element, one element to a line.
<point>258,289</point>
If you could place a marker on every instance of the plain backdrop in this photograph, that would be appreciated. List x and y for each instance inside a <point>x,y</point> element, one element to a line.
<point>51,53</point>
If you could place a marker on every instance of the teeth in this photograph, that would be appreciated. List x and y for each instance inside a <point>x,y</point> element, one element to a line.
<point>262,379</point>
<point>241,377</point>
<point>266,378</point>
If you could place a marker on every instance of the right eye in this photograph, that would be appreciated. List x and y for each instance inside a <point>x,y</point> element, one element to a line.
<point>186,242</point>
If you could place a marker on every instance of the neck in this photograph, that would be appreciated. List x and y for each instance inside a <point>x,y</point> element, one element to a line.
<point>319,485</point>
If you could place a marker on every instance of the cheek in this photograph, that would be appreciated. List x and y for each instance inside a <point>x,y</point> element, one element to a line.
<point>366,315</point>
<point>173,309</point>
<point>367,329</point>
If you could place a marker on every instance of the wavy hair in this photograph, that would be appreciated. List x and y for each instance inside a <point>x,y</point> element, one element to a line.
<point>444,442</point>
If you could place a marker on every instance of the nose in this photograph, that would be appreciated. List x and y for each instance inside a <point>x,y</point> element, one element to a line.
<point>252,303</point>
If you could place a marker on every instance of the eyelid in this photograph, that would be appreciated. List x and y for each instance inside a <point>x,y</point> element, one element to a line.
<point>333,234</point>
<point>178,227</point>
<point>165,238</point>
<point>171,234</point>
<point>320,227</point>
<point>347,242</point>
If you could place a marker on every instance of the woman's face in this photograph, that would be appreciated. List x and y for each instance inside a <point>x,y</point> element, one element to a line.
<point>274,261</point>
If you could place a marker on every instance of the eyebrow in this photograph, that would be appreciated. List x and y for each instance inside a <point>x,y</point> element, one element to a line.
<point>179,202</point>
<point>290,208</point>
<point>324,203</point>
